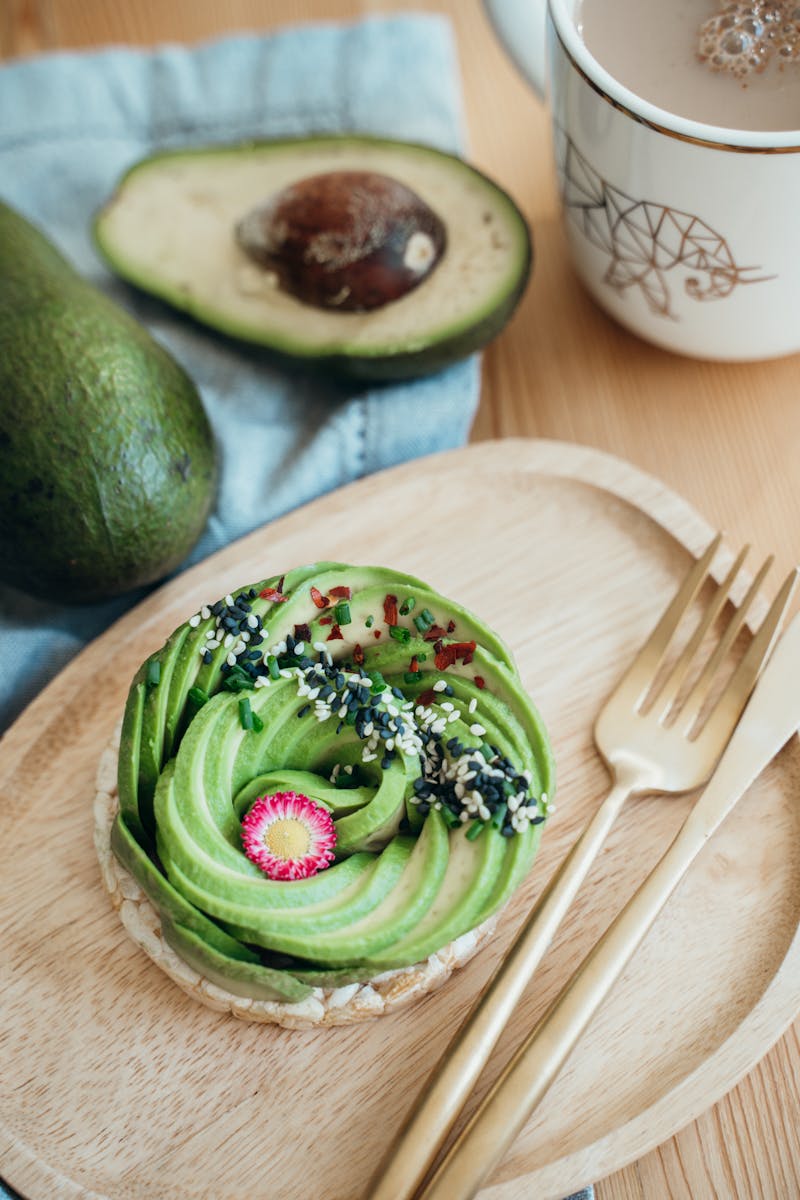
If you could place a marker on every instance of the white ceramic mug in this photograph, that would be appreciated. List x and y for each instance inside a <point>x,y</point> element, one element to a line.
<point>686,233</point>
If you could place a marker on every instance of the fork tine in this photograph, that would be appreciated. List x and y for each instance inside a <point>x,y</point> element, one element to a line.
<point>731,702</point>
<point>639,676</point>
<point>669,690</point>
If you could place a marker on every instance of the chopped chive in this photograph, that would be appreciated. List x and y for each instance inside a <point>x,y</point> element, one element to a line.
<point>428,616</point>
<point>450,818</point>
<point>487,751</point>
<point>422,625</point>
<point>197,697</point>
<point>412,676</point>
<point>258,724</point>
<point>475,830</point>
<point>342,613</point>
<point>498,816</point>
<point>378,682</point>
<point>370,621</point>
<point>153,672</point>
<point>245,713</point>
<point>273,667</point>
<point>408,605</point>
<point>351,717</point>
<point>400,633</point>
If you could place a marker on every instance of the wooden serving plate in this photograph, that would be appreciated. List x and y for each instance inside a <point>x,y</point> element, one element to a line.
<point>116,1085</point>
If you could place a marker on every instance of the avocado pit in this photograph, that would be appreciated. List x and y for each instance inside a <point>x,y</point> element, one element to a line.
<point>352,241</point>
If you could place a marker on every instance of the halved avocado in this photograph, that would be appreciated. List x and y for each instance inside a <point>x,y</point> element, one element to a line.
<point>171,229</point>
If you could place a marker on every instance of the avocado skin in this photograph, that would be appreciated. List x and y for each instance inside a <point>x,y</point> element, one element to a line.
<point>107,460</point>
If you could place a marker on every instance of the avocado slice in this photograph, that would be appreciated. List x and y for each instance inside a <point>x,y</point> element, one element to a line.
<point>170,229</point>
<point>107,461</point>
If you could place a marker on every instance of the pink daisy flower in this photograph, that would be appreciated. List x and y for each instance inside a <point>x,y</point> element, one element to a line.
<point>288,836</point>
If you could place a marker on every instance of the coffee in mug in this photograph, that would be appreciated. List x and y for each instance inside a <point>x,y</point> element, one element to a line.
<point>732,63</point>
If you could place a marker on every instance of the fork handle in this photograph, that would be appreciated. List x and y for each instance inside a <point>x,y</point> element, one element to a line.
<point>416,1146</point>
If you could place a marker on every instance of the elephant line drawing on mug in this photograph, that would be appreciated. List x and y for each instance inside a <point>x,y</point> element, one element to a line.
<point>646,240</point>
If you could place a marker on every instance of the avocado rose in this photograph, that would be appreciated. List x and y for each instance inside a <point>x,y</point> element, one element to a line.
<point>326,776</point>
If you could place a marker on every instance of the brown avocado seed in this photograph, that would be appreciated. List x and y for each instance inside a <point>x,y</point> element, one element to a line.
<point>346,240</point>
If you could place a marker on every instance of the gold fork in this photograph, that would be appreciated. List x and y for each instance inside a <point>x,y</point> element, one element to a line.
<point>647,733</point>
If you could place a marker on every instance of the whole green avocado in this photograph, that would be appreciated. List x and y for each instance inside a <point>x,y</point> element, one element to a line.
<point>107,459</point>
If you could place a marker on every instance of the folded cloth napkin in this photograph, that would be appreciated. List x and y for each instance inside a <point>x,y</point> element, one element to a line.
<point>70,124</point>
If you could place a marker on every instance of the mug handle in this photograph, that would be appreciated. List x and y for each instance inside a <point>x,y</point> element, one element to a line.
<point>520,26</point>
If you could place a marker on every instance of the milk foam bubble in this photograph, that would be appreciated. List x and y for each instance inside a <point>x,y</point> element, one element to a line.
<point>743,37</point>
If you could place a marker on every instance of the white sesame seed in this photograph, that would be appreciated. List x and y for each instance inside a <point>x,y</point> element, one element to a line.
<point>285,673</point>
<point>446,706</point>
<point>473,704</point>
<point>453,716</point>
<point>437,804</point>
<point>484,813</point>
<point>229,640</point>
<point>439,726</point>
<point>368,728</point>
<point>513,803</point>
<point>205,612</point>
<point>299,649</point>
<point>231,660</point>
<point>229,601</point>
<point>544,798</point>
<point>368,756</point>
<point>312,693</point>
<point>526,774</point>
<point>463,817</point>
<point>343,711</point>
<point>252,620</point>
<point>195,620</point>
<point>349,770</point>
<point>440,685</point>
<point>320,647</point>
<point>212,644</point>
<point>262,681</point>
<point>390,743</point>
<point>239,647</point>
<point>477,730</point>
<point>244,636</point>
<point>459,790</point>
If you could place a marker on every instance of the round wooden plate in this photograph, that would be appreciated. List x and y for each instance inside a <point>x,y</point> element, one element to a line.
<point>116,1085</point>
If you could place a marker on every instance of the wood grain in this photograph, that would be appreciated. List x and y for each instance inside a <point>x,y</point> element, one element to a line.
<point>122,1087</point>
<point>726,437</point>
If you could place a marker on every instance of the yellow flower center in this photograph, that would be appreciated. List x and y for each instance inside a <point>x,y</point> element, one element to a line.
<point>287,838</point>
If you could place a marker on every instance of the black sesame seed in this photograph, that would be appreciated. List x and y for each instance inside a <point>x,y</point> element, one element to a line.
<point>507,831</point>
<point>207,656</point>
<point>396,692</point>
<point>424,808</point>
<point>325,691</point>
<point>339,680</point>
<point>340,727</point>
<point>386,762</point>
<point>305,709</point>
<point>290,643</point>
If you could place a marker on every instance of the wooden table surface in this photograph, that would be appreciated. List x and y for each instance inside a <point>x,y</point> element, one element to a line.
<point>726,437</point>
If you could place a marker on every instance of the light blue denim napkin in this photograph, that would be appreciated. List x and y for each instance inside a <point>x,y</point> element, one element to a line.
<point>70,124</point>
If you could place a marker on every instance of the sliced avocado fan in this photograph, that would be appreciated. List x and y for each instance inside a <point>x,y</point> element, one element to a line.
<point>363,692</point>
<point>374,258</point>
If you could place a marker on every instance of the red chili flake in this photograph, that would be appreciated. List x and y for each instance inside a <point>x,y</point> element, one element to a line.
<point>273,594</point>
<point>335,635</point>
<point>414,664</point>
<point>318,598</point>
<point>358,655</point>
<point>342,591</point>
<point>480,682</point>
<point>426,697</point>
<point>390,610</point>
<point>326,620</point>
<point>302,633</point>
<point>468,657</point>
<point>451,626</point>
<point>280,583</point>
<point>448,655</point>
<point>435,633</point>
<point>377,633</point>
